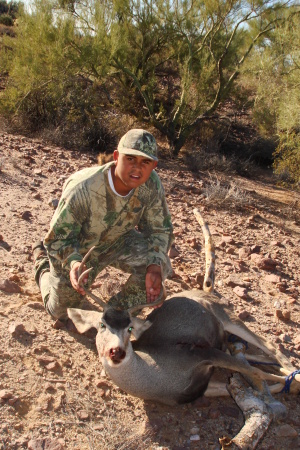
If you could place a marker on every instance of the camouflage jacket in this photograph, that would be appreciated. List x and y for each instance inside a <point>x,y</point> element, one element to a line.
<point>89,214</point>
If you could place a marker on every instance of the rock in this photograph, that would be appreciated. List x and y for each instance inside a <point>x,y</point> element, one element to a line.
<point>5,394</point>
<point>286,314</point>
<point>230,251</point>
<point>227,239</point>
<point>272,278</point>
<point>255,248</point>
<point>16,328</point>
<point>12,400</point>
<point>233,281</point>
<point>46,444</point>
<point>10,287</point>
<point>173,252</point>
<point>53,202</point>
<point>243,315</point>
<point>199,279</point>
<point>37,196</point>
<point>35,305</point>
<point>194,243</point>
<point>240,292</point>
<point>14,277</point>
<point>286,430</point>
<point>195,437</point>
<point>263,263</point>
<point>282,286</point>
<point>82,415</point>
<point>278,314</point>
<point>59,325</point>
<point>53,366</point>
<point>26,215</point>
<point>285,338</point>
<point>244,252</point>
<point>45,360</point>
<point>275,243</point>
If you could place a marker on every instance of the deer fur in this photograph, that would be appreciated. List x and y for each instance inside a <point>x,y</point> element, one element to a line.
<point>176,348</point>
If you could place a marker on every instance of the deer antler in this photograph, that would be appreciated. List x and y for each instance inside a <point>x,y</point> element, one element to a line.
<point>209,278</point>
<point>81,276</point>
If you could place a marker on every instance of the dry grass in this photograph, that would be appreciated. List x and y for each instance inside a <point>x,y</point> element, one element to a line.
<point>217,193</point>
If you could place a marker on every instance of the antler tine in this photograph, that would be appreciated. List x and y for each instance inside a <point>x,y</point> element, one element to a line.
<point>157,302</point>
<point>97,299</point>
<point>86,257</point>
<point>81,275</point>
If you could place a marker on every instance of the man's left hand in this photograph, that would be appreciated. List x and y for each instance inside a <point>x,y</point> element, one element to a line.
<point>153,283</point>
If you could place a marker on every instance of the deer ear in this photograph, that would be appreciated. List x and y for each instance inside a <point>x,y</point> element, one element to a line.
<point>84,320</point>
<point>139,326</point>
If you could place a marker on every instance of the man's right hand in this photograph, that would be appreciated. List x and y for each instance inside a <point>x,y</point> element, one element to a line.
<point>74,278</point>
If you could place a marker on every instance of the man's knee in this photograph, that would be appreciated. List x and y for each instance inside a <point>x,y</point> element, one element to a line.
<point>58,295</point>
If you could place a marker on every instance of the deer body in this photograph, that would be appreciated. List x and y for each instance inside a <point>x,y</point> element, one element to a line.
<point>176,349</point>
<point>177,346</point>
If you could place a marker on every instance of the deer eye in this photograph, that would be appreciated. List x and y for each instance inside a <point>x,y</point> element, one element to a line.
<point>130,329</point>
<point>102,325</point>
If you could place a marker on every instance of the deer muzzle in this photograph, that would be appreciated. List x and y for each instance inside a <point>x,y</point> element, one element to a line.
<point>117,354</point>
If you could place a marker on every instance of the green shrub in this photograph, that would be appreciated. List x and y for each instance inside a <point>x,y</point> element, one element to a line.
<point>287,158</point>
<point>7,20</point>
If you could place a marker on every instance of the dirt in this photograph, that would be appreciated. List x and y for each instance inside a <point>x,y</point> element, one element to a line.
<point>53,393</point>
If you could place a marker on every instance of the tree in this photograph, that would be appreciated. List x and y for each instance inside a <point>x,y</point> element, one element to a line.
<point>174,62</point>
<point>10,9</point>
<point>276,70</point>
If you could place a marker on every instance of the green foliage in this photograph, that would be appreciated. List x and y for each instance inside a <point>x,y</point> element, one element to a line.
<point>172,64</point>
<point>7,20</point>
<point>10,9</point>
<point>287,158</point>
<point>277,107</point>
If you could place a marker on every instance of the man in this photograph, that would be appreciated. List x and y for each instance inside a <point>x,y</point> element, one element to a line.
<point>119,208</point>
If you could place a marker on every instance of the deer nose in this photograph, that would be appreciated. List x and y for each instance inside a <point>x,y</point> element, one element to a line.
<point>117,354</point>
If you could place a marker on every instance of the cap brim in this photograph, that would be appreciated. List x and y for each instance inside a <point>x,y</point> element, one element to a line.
<point>131,151</point>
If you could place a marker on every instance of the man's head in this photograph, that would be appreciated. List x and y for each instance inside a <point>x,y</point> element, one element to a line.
<point>135,159</point>
<point>138,142</point>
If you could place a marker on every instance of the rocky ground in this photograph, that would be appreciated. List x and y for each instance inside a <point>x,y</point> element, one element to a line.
<point>53,394</point>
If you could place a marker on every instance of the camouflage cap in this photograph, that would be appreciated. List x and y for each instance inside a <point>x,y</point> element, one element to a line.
<point>138,142</point>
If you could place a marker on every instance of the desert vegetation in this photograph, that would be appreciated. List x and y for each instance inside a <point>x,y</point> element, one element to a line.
<point>215,79</point>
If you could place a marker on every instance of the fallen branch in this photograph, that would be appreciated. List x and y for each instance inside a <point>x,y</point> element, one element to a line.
<point>258,416</point>
<point>209,278</point>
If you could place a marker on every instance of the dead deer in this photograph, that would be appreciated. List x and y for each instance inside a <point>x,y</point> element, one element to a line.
<point>177,346</point>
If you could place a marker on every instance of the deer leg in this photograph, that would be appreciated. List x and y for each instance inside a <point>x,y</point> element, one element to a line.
<point>238,328</point>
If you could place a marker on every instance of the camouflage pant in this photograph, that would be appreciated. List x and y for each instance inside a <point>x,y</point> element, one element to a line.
<point>128,254</point>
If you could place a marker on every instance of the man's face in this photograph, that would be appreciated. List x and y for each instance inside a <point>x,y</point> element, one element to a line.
<point>131,171</point>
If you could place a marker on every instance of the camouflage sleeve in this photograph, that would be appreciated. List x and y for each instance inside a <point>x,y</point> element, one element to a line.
<point>157,226</point>
<point>67,226</point>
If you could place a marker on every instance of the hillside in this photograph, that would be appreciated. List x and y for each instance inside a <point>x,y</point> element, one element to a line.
<point>53,394</point>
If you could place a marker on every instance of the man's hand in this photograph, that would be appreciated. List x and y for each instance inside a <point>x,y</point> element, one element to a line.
<point>74,278</point>
<point>153,283</point>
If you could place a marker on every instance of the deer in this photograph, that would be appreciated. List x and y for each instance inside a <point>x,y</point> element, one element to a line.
<point>169,356</point>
